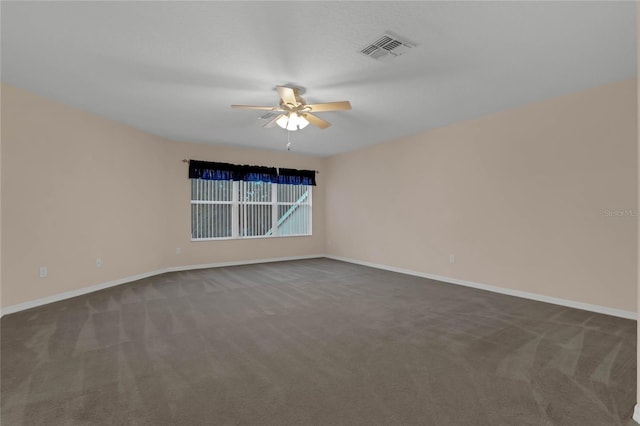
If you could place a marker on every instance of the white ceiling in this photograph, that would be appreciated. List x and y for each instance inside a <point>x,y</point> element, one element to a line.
<point>173,68</point>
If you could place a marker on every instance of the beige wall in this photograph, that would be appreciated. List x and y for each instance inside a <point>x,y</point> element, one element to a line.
<point>518,197</point>
<point>638,206</point>
<point>1,173</point>
<point>77,187</point>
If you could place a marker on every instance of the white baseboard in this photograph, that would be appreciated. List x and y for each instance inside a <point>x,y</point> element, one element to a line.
<point>636,414</point>
<point>240,262</point>
<point>533,296</point>
<point>73,293</point>
<point>85,290</point>
<point>526,295</point>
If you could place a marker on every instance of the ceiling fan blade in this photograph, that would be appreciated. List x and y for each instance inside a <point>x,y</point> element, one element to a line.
<point>272,123</point>
<point>263,108</point>
<point>316,121</point>
<point>330,106</point>
<point>287,94</point>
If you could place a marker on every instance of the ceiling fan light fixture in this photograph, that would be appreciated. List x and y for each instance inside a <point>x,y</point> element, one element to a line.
<point>282,121</point>
<point>302,122</point>
<point>293,113</point>
<point>292,122</point>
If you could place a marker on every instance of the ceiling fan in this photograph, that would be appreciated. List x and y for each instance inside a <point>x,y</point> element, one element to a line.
<point>293,112</point>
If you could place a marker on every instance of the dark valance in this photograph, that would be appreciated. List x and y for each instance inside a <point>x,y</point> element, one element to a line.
<point>208,170</point>
<point>297,177</point>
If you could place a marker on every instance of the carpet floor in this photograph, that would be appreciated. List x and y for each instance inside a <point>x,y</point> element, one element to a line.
<point>313,342</point>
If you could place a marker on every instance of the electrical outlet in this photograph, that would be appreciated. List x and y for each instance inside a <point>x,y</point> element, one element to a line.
<point>98,263</point>
<point>452,258</point>
<point>178,250</point>
<point>43,272</point>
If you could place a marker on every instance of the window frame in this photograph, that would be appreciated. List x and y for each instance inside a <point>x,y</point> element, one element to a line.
<point>235,213</point>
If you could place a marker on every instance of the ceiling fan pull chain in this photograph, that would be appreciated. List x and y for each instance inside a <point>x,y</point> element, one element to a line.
<point>288,141</point>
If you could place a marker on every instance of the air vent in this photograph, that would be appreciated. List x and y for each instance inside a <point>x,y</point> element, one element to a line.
<point>387,46</point>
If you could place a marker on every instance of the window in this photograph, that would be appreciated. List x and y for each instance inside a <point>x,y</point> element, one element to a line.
<point>294,209</point>
<point>223,209</point>
<point>211,209</point>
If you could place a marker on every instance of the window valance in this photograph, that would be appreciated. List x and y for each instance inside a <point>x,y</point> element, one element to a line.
<point>208,170</point>
<point>297,177</point>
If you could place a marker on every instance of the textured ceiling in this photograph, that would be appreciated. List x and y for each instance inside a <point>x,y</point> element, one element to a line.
<point>173,68</point>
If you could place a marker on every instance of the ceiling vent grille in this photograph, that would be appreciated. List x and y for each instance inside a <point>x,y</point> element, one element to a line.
<point>387,46</point>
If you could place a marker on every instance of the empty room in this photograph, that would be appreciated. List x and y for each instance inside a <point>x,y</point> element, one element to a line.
<point>319,213</point>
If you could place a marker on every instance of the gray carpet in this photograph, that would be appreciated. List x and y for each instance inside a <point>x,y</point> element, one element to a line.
<point>313,342</point>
